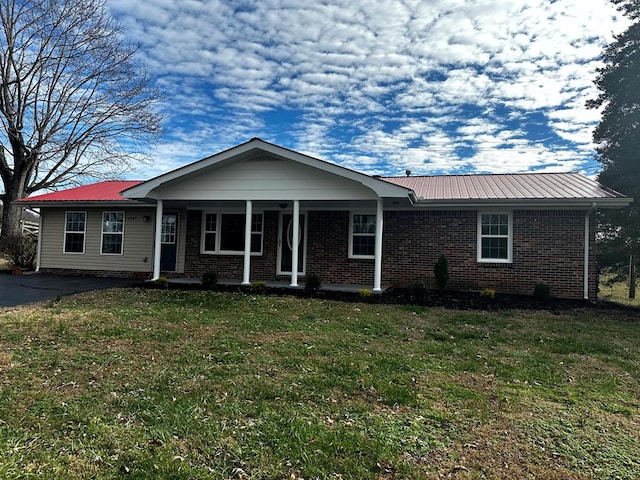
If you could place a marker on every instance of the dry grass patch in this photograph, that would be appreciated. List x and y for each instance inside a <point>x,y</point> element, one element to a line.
<point>618,292</point>
<point>6,359</point>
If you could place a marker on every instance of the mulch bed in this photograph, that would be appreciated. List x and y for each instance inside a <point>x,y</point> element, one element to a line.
<point>428,298</point>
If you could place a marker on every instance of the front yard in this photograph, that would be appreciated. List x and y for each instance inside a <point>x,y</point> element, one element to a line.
<point>186,385</point>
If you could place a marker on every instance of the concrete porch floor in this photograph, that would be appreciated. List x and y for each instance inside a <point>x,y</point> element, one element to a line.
<point>332,287</point>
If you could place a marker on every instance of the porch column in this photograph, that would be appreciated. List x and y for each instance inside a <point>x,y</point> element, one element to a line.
<point>247,243</point>
<point>158,241</point>
<point>295,234</point>
<point>377,276</point>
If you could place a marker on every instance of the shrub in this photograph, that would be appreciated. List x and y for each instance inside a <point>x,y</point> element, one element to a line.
<point>488,292</point>
<point>21,250</point>
<point>312,284</point>
<point>162,282</point>
<point>441,272</point>
<point>209,280</point>
<point>259,286</point>
<point>542,291</point>
<point>365,292</point>
<point>420,290</point>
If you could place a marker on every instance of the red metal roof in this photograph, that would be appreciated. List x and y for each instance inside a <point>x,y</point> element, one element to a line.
<point>521,186</point>
<point>107,191</point>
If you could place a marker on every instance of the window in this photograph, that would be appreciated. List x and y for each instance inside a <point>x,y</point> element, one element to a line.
<point>224,233</point>
<point>168,228</point>
<point>74,232</point>
<point>362,236</point>
<point>495,242</point>
<point>112,233</point>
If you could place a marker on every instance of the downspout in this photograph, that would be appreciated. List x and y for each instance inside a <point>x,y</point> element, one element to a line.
<point>587,217</point>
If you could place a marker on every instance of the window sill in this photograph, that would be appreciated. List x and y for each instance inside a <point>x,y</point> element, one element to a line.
<point>494,264</point>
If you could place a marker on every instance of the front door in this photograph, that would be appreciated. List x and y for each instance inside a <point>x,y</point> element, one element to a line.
<point>285,244</point>
<point>169,237</point>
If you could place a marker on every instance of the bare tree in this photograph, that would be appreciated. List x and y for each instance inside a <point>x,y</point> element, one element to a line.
<point>74,101</point>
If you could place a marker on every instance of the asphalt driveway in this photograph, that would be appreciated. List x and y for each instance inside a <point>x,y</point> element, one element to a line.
<point>24,289</point>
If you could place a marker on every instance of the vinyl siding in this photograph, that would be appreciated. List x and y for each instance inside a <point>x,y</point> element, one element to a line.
<point>265,179</point>
<point>182,240</point>
<point>137,243</point>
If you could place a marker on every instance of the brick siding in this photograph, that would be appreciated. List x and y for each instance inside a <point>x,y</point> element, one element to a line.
<point>230,267</point>
<point>548,247</point>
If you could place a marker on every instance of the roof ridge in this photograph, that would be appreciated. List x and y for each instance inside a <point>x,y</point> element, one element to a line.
<point>478,174</point>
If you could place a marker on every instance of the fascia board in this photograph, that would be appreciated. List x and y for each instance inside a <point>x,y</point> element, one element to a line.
<point>80,203</point>
<point>145,188</point>
<point>380,187</point>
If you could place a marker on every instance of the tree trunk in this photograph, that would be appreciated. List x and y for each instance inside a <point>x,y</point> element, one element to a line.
<point>11,216</point>
<point>632,277</point>
<point>15,189</point>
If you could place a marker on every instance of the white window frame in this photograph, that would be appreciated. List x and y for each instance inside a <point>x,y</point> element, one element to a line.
<point>352,235</point>
<point>84,232</point>
<point>218,232</point>
<point>103,233</point>
<point>509,237</point>
<point>173,234</point>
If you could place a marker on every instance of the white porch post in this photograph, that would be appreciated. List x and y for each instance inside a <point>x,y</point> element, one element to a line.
<point>247,243</point>
<point>295,234</point>
<point>158,241</point>
<point>377,276</point>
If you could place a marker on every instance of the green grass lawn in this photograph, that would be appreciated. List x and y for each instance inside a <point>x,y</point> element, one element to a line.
<point>188,385</point>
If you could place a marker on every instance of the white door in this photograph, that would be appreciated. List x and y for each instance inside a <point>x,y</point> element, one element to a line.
<point>285,244</point>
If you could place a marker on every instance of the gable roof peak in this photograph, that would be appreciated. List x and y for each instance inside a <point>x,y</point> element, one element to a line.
<point>247,151</point>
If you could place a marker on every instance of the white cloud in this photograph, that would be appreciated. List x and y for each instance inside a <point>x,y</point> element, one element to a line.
<point>435,86</point>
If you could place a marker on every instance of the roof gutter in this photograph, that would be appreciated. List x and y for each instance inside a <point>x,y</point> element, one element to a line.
<point>80,203</point>
<point>580,203</point>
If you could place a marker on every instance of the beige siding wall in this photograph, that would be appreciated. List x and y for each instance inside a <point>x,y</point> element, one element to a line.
<point>266,179</point>
<point>137,246</point>
<point>182,240</point>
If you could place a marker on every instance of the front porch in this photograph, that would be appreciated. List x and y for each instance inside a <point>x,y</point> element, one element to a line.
<point>230,198</point>
<point>252,241</point>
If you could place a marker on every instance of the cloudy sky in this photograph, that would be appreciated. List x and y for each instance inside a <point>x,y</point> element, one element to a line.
<point>381,86</point>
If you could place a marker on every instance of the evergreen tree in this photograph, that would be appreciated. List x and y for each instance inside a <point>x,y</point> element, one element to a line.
<point>618,134</point>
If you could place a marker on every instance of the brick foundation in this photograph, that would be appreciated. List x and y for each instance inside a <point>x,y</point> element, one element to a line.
<point>97,273</point>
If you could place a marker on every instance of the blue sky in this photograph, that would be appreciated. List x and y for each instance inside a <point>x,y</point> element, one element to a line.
<point>380,86</point>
